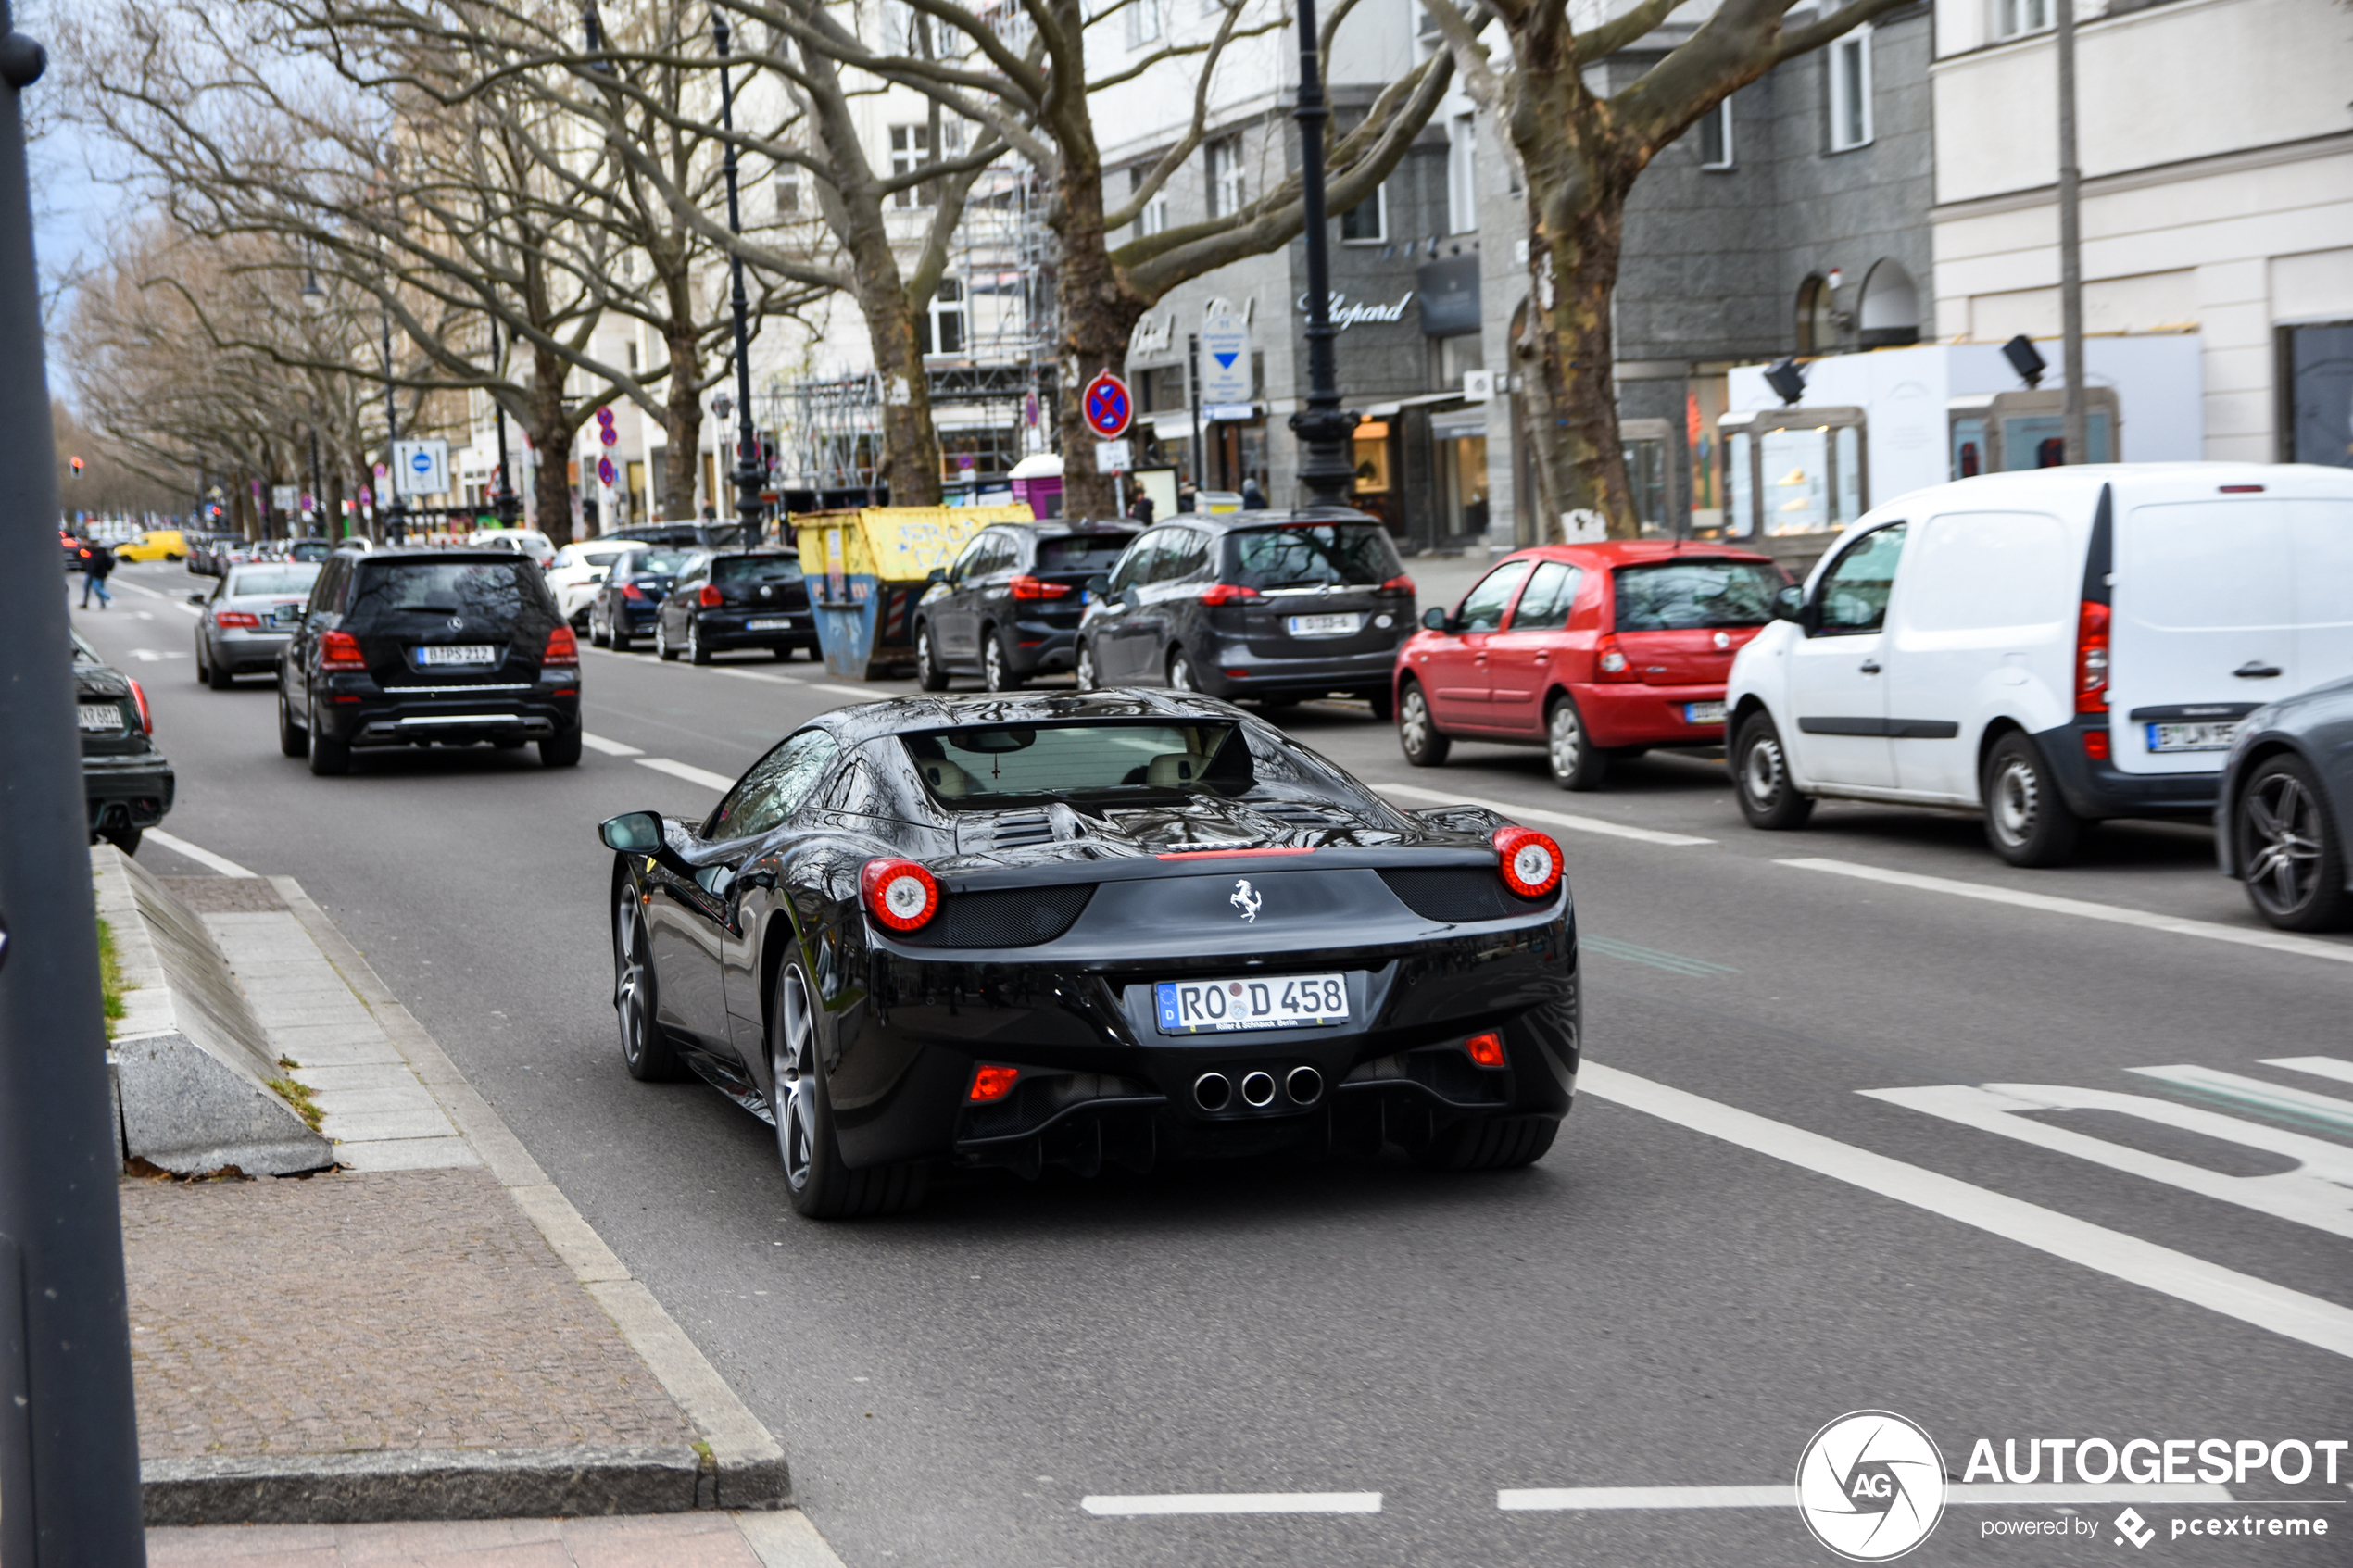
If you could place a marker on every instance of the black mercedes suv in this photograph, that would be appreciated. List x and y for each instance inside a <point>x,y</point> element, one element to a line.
<point>424,647</point>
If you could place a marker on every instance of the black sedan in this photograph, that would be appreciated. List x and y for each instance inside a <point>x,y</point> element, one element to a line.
<point>1267,604</point>
<point>1008,605</point>
<point>126,781</point>
<point>624,607</point>
<point>2285,802</point>
<point>1075,930</point>
<point>736,599</point>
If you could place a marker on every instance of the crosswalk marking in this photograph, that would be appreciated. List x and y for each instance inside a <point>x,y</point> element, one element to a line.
<point>1233,1502</point>
<point>2274,1308</point>
<point>2318,1066</point>
<point>2318,1193</point>
<point>2301,1105</point>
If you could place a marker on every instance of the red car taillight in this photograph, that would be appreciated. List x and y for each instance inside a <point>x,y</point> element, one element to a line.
<point>1487,1050</point>
<point>710,598</point>
<point>340,650</point>
<point>992,1084</point>
<point>147,720</point>
<point>235,617</point>
<point>901,893</point>
<point>1028,587</point>
<point>1400,584</point>
<point>2091,658</point>
<point>1610,662</point>
<point>631,591</point>
<point>562,647</point>
<point>1529,861</point>
<point>1229,593</point>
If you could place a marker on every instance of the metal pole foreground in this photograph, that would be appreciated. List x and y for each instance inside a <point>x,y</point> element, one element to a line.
<point>2072,435</point>
<point>1324,466</point>
<point>68,1445</point>
<point>750,471</point>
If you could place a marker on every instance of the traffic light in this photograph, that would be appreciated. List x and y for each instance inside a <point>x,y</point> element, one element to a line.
<point>77,467</point>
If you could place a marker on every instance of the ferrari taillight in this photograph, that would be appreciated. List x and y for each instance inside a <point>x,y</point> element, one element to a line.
<point>992,1084</point>
<point>1529,861</point>
<point>562,647</point>
<point>2091,657</point>
<point>340,650</point>
<point>901,893</point>
<point>1487,1049</point>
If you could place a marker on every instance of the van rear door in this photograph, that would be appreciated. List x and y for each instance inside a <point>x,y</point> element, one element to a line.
<point>2206,605</point>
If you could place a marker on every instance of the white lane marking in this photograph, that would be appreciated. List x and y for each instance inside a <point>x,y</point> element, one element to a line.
<point>2277,941</point>
<point>1979,1495</point>
<point>179,845</point>
<point>867,692</point>
<point>143,615</point>
<point>2301,1104</point>
<point>689,772</point>
<point>2283,1311</point>
<point>1235,1502</point>
<point>609,748</point>
<point>1550,819</point>
<point>187,608</point>
<point>2318,1193</point>
<point>137,589</point>
<point>2318,1066</point>
<point>1674,963</point>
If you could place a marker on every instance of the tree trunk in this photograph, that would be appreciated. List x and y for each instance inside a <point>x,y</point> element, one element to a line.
<point>550,428</point>
<point>1099,316</point>
<point>682,418</point>
<point>910,448</point>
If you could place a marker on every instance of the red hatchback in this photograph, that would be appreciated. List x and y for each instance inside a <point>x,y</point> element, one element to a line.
<point>1588,650</point>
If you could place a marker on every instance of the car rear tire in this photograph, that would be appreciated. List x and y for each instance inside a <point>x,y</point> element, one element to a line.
<point>2026,822</point>
<point>617,638</point>
<point>646,1049</point>
<point>1419,735</point>
<point>696,652</point>
<point>291,740</point>
<point>560,749</point>
<point>928,675</point>
<point>329,756</point>
<point>1576,763</point>
<point>663,650</point>
<point>996,672</point>
<point>1503,1143</point>
<point>1760,778</point>
<point>1180,672</point>
<point>1384,703</point>
<point>2289,850</point>
<point>1082,669</point>
<point>597,637</point>
<point>820,1185</point>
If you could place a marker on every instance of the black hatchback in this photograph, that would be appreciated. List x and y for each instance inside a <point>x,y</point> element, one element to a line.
<point>736,599</point>
<point>630,598</point>
<point>1277,605</point>
<point>424,648</point>
<point>1009,606</point>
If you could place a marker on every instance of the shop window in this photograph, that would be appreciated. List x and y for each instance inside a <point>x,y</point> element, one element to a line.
<point>2009,431</point>
<point>1793,471</point>
<point>1816,324</point>
<point>1461,450</point>
<point>1649,447</point>
<point>1850,62</point>
<point>1372,457</point>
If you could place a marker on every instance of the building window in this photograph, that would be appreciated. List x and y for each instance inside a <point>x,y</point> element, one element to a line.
<point>1143,22</point>
<point>1716,137</point>
<point>1462,175</point>
<point>1366,222</point>
<point>2016,18</point>
<point>1153,218</point>
<point>909,150</point>
<point>1228,190</point>
<point>942,326</point>
<point>1851,90</point>
<point>1817,321</point>
<point>788,190</point>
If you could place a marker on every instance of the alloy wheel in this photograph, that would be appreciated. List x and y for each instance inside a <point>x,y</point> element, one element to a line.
<point>1083,668</point>
<point>993,673</point>
<point>1564,741</point>
<point>794,1071</point>
<point>1180,674</point>
<point>1412,720</point>
<point>2282,846</point>
<point>629,988</point>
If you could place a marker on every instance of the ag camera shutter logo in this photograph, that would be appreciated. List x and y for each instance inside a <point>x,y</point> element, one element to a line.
<point>1870,1486</point>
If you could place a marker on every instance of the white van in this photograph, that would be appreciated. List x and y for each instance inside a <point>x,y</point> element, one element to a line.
<point>527,542</point>
<point>2051,646</point>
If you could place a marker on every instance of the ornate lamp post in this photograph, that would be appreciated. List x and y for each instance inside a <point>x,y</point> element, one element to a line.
<point>750,472</point>
<point>1325,466</point>
<point>505,501</point>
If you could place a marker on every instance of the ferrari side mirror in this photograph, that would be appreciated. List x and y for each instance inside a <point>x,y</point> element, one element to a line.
<point>635,832</point>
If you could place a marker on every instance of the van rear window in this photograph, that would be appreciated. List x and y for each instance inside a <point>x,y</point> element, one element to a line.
<point>1682,595</point>
<point>1339,555</point>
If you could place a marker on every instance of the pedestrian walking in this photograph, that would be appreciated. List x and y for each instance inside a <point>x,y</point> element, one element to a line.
<point>1141,508</point>
<point>1254,498</point>
<point>98,565</point>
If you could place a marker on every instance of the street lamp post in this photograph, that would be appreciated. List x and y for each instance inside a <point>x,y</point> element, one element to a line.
<point>750,471</point>
<point>396,515</point>
<point>505,500</point>
<point>1325,466</point>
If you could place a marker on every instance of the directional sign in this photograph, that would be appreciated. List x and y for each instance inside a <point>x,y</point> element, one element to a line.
<point>1108,407</point>
<point>1225,358</point>
<point>605,474</point>
<point>281,497</point>
<point>421,467</point>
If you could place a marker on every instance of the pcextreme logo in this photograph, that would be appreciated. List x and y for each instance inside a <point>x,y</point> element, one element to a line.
<point>1870,1486</point>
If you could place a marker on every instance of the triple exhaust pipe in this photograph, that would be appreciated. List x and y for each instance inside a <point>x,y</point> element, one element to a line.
<point>1215,1091</point>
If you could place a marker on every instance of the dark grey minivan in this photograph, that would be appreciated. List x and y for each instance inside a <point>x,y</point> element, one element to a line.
<point>1277,605</point>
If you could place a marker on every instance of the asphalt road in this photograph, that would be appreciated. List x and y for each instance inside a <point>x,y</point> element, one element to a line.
<point>1731,1244</point>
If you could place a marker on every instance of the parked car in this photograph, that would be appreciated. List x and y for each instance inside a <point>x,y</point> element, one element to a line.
<point>1269,605</point>
<point>1592,652</point>
<point>575,574</point>
<point>2283,805</point>
<point>154,544</point>
<point>126,782</point>
<point>248,618</point>
<point>70,543</point>
<point>2052,646</point>
<point>527,542</point>
<point>625,603</point>
<point>312,550</point>
<point>1008,605</point>
<point>1188,937</point>
<point>736,599</point>
<point>425,647</point>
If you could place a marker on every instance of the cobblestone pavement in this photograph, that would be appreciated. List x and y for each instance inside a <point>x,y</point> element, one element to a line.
<point>669,1540</point>
<point>363,1312</point>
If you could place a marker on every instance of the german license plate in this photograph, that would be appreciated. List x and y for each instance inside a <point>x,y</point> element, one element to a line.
<point>2193,737</point>
<point>459,653</point>
<point>100,716</point>
<point>769,624</point>
<point>1323,625</point>
<point>1273,1001</point>
<point>1702,714</point>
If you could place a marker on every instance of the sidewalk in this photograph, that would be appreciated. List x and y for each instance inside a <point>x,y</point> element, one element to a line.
<point>424,1355</point>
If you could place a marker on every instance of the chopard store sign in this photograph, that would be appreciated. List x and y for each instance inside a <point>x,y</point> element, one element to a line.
<point>1345,315</point>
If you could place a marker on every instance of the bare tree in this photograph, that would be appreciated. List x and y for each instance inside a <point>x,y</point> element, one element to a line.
<point>1579,151</point>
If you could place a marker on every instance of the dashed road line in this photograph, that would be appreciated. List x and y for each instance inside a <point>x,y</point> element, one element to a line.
<point>609,748</point>
<point>2318,1066</point>
<point>1550,818</point>
<point>1233,1502</point>
<point>1984,1494</point>
<point>179,845</point>
<point>187,608</point>
<point>867,692</point>
<point>2290,1313</point>
<point>1674,963</point>
<point>689,772</point>
<point>2275,941</point>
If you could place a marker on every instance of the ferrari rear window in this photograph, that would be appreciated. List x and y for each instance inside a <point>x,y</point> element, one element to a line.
<point>1681,596</point>
<point>990,766</point>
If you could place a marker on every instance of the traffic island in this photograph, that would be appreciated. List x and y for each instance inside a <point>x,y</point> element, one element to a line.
<point>427,1330</point>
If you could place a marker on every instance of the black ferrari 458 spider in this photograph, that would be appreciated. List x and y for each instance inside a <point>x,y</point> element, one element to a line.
<point>1110,927</point>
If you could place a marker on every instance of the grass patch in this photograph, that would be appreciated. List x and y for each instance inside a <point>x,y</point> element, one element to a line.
<point>298,1096</point>
<point>110,986</point>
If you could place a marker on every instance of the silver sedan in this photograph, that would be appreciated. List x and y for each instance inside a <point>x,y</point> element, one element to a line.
<point>248,616</point>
